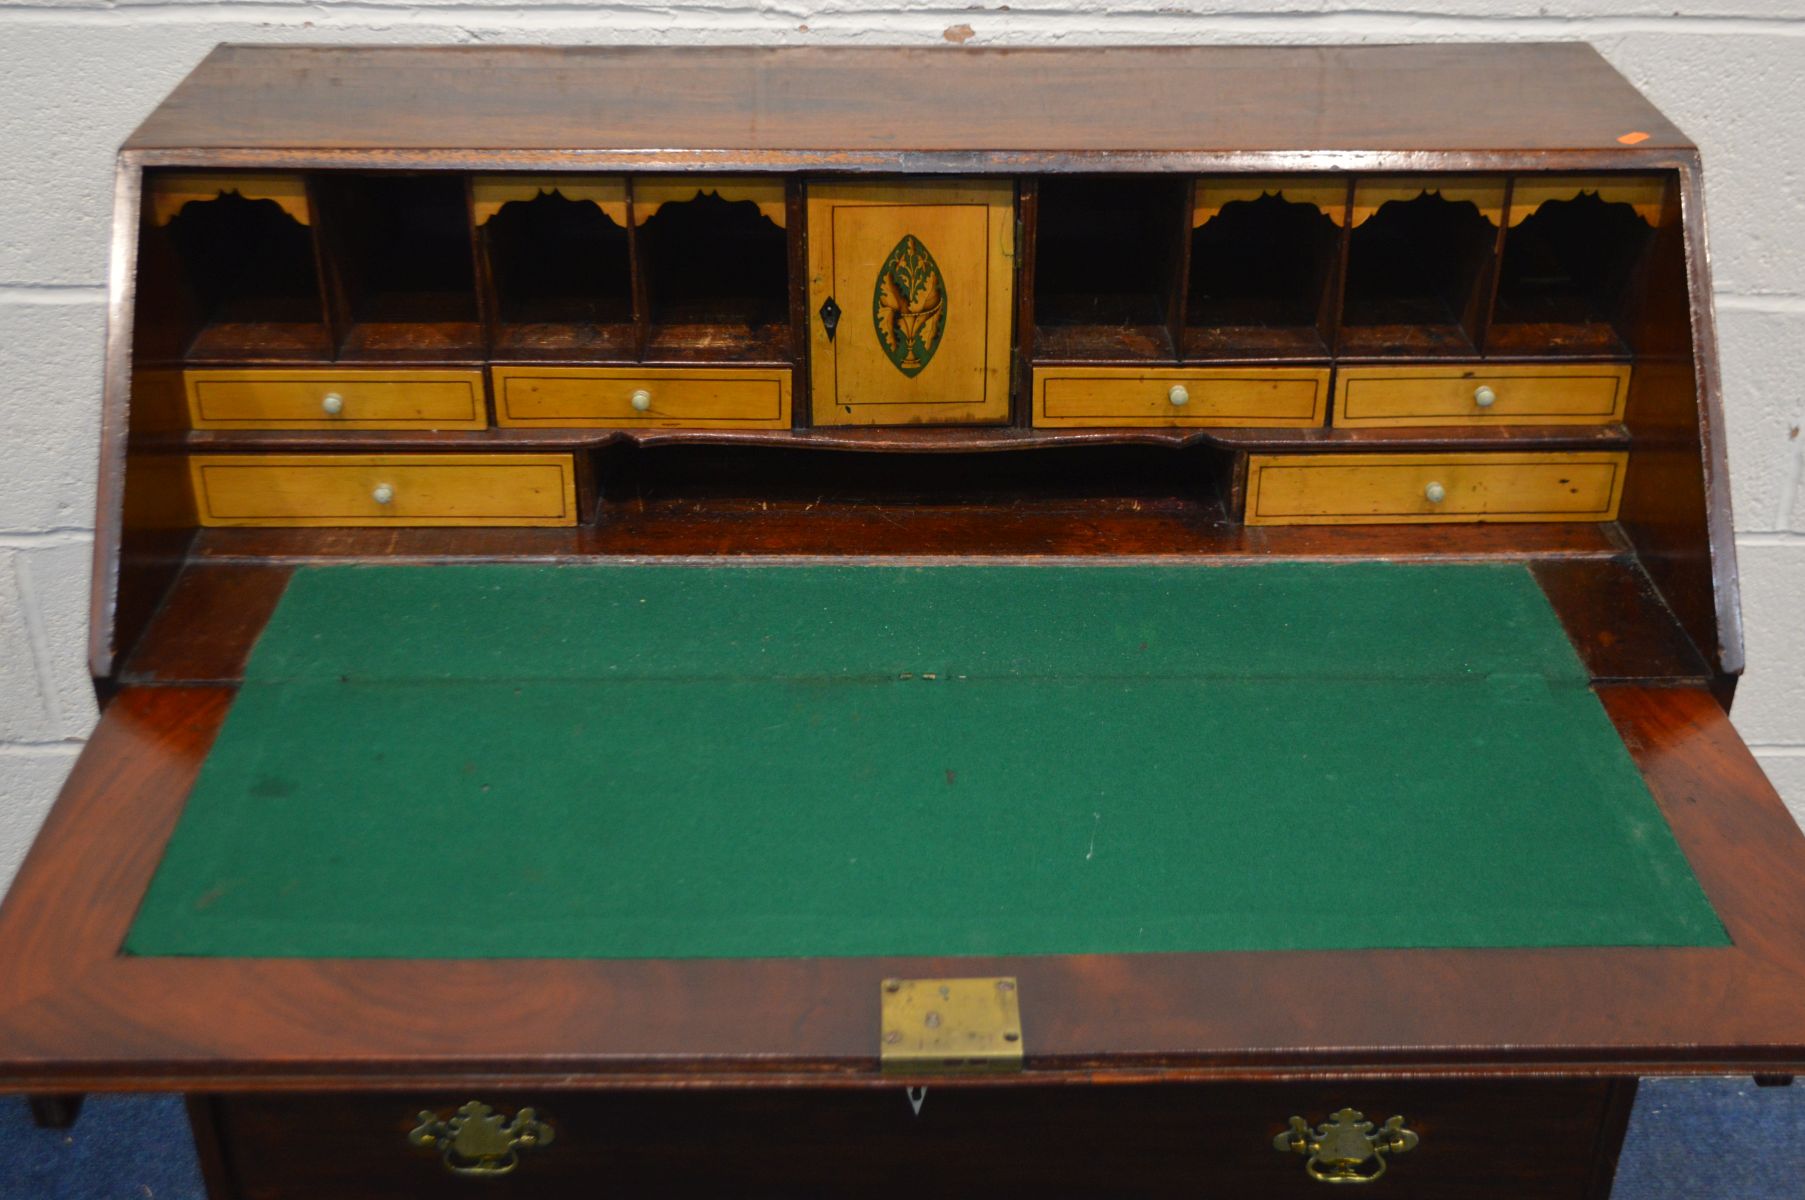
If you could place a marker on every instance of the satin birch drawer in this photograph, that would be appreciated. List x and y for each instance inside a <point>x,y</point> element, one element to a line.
<point>384,489</point>
<point>1290,397</point>
<point>674,397</point>
<point>1367,489</point>
<point>310,399</point>
<point>1558,394</point>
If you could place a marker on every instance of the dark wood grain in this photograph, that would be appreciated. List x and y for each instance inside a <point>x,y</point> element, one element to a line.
<point>1676,503</point>
<point>1171,531</point>
<point>1149,1140</point>
<point>205,629</point>
<point>1618,623</point>
<point>769,106</point>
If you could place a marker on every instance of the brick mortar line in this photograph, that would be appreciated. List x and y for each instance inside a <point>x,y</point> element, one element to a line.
<point>22,749</point>
<point>1415,24</point>
<point>1769,538</point>
<point>1761,302</point>
<point>40,539</point>
<point>1789,486</point>
<point>52,293</point>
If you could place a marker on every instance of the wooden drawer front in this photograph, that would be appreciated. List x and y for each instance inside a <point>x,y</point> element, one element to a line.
<point>421,489</point>
<point>580,397</point>
<point>283,399</point>
<point>1481,395</point>
<point>1292,397</point>
<point>1479,1140</point>
<point>1370,489</point>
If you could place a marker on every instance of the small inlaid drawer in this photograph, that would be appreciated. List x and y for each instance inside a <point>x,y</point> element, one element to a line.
<point>335,399</point>
<point>643,397</point>
<point>384,489</point>
<point>1289,397</point>
<point>1372,489</point>
<point>1552,394</point>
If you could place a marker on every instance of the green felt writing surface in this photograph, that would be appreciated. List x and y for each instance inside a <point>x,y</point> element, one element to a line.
<point>392,782</point>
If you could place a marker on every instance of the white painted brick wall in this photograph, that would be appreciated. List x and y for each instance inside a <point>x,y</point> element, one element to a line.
<point>79,74</point>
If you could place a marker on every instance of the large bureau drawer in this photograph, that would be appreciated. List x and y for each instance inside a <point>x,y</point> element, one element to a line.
<point>671,397</point>
<point>1145,1140</point>
<point>384,489</point>
<point>336,399</point>
<point>1356,489</point>
<point>1292,397</point>
<point>1472,394</point>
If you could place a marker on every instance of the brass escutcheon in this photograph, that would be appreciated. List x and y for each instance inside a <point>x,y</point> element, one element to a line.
<point>1346,1149</point>
<point>477,1140</point>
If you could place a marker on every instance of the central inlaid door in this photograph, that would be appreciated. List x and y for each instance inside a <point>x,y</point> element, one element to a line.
<point>910,291</point>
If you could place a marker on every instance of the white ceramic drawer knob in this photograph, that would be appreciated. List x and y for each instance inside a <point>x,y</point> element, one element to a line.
<point>1484,396</point>
<point>332,404</point>
<point>1435,493</point>
<point>1178,395</point>
<point>383,493</point>
<point>641,400</point>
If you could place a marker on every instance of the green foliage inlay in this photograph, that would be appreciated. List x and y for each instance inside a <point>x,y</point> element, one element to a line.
<point>909,306</point>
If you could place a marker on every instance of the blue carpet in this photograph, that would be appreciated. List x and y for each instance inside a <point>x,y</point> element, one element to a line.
<point>120,1148</point>
<point>1709,1138</point>
<point>1689,1139</point>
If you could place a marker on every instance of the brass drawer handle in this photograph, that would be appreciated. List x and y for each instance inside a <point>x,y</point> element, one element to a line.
<point>1347,1149</point>
<point>478,1140</point>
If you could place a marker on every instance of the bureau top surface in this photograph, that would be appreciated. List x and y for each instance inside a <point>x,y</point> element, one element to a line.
<point>899,108</point>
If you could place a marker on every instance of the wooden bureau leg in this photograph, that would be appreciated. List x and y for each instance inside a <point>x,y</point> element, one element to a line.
<point>1610,1137</point>
<point>209,1150</point>
<point>54,1112</point>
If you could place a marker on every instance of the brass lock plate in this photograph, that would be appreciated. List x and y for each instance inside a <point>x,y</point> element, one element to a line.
<point>950,1026</point>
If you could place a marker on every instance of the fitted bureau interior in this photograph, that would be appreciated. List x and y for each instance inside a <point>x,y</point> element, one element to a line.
<point>440,348</point>
<point>1125,269</point>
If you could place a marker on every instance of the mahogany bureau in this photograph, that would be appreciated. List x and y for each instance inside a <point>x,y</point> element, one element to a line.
<point>848,621</point>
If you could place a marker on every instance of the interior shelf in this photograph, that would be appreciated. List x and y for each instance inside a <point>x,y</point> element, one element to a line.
<point>1260,271</point>
<point>409,267</point>
<point>250,278</point>
<point>404,268</point>
<point>562,277</point>
<point>717,280</point>
<point>1417,264</point>
<point>1568,269</point>
<point>1106,268</point>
